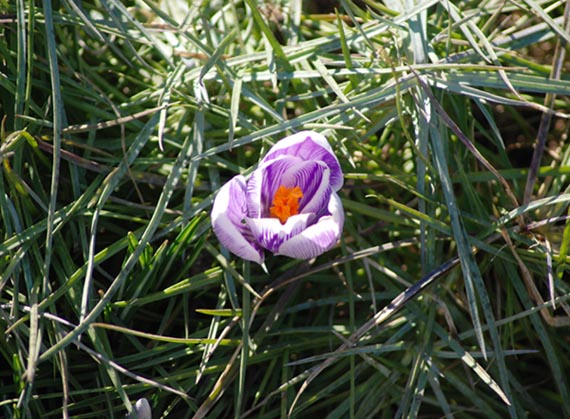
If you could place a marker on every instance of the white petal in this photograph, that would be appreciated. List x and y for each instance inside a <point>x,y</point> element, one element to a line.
<point>319,237</point>
<point>253,193</point>
<point>142,409</point>
<point>229,213</point>
<point>270,233</point>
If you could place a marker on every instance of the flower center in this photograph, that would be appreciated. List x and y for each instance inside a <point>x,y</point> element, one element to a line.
<point>285,203</point>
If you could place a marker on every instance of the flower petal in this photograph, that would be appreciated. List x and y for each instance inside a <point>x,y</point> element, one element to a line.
<point>229,214</point>
<point>309,145</point>
<point>313,177</point>
<point>264,182</point>
<point>319,237</point>
<point>271,234</point>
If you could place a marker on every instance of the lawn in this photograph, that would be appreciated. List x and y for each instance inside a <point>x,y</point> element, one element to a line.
<point>447,293</point>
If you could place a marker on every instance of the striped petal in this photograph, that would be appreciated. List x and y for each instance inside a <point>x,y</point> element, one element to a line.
<point>229,221</point>
<point>319,237</point>
<point>309,145</point>
<point>271,234</point>
<point>313,177</point>
<point>264,182</point>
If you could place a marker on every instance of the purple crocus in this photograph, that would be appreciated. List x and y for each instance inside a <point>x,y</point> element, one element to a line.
<point>288,205</point>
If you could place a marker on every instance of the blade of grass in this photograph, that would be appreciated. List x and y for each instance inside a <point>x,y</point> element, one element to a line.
<point>234,107</point>
<point>21,67</point>
<point>415,390</point>
<point>58,121</point>
<point>433,378</point>
<point>160,338</point>
<point>245,340</point>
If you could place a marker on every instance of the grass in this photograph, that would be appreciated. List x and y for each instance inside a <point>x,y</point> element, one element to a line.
<point>448,293</point>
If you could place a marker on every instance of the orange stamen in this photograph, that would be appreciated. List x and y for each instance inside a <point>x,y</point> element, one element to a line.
<point>285,203</point>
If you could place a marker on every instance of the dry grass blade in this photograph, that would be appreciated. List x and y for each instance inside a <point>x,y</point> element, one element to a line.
<point>74,129</point>
<point>555,321</point>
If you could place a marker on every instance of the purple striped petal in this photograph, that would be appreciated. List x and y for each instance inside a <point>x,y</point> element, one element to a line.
<point>229,221</point>
<point>264,182</point>
<point>313,177</point>
<point>319,237</point>
<point>271,234</point>
<point>309,145</point>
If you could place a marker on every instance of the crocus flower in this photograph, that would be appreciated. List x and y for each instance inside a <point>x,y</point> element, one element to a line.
<point>288,205</point>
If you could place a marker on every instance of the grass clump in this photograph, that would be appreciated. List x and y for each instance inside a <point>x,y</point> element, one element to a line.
<point>448,293</point>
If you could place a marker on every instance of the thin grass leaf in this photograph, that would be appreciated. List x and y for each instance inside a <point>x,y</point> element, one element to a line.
<point>124,371</point>
<point>415,392</point>
<point>245,340</point>
<point>433,378</point>
<point>534,205</point>
<point>334,86</point>
<point>231,274</point>
<point>151,336</point>
<point>58,123</point>
<point>22,71</point>
<point>564,246</point>
<point>209,277</point>
<point>346,51</point>
<point>121,10</point>
<point>234,106</point>
<point>164,101</point>
<point>216,56</point>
